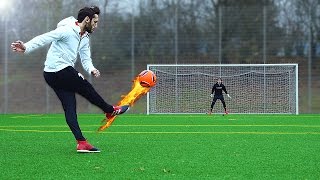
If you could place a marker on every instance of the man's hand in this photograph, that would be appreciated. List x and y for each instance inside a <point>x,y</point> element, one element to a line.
<point>229,96</point>
<point>18,46</point>
<point>211,95</point>
<point>96,73</point>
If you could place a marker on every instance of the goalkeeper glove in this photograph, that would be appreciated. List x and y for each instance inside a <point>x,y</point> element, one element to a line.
<point>211,95</point>
<point>229,96</point>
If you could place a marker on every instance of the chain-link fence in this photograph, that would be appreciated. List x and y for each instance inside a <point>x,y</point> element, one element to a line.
<point>134,33</point>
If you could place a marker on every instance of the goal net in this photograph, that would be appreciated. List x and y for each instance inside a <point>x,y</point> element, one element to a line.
<point>254,88</point>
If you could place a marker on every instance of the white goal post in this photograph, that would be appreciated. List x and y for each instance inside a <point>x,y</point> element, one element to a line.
<point>254,88</point>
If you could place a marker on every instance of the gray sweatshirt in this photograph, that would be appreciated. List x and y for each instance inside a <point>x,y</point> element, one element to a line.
<point>66,43</point>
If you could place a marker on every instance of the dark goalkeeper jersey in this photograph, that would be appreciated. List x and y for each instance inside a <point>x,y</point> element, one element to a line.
<point>217,89</point>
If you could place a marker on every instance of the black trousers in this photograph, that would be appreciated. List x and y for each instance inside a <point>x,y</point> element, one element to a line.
<point>215,98</point>
<point>65,84</point>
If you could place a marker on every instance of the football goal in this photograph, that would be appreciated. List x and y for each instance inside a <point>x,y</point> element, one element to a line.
<point>254,88</point>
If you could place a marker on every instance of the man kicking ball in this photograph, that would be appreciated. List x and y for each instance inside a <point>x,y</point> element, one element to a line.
<point>70,38</point>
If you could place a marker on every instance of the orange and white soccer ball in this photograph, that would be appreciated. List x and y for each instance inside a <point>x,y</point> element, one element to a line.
<point>147,78</point>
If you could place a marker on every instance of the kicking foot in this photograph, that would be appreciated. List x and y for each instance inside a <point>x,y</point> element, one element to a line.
<point>84,147</point>
<point>117,110</point>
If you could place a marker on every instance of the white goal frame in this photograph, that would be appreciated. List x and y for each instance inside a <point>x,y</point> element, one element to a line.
<point>294,101</point>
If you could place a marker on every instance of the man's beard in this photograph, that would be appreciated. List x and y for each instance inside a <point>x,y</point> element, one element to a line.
<point>88,28</point>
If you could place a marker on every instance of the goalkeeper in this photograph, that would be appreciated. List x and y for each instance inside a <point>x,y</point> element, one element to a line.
<point>217,90</point>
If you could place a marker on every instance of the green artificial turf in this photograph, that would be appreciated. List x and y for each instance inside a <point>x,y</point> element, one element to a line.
<point>163,147</point>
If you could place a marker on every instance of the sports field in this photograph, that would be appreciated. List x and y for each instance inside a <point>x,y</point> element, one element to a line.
<point>163,147</point>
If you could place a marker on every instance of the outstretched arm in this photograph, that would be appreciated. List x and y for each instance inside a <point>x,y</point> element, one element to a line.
<point>38,41</point>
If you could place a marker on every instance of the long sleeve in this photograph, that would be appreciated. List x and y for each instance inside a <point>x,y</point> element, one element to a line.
<point>224,89</point>
<point>213,88</point>
<point>44,39</point>
<point>85,56</point>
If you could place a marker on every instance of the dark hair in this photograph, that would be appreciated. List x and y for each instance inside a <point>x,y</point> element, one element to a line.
<point>95,9</point>
<point>88,11</point>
